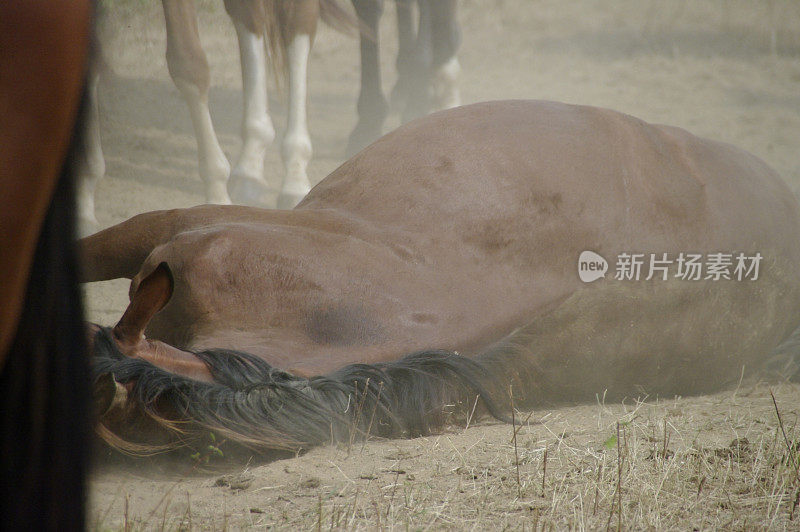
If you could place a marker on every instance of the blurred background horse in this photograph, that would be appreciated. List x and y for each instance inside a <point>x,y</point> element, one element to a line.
<point>284,31</point>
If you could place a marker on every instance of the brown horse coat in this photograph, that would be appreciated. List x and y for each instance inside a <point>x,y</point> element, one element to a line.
<point>461,231</point>
<point>44,399</point>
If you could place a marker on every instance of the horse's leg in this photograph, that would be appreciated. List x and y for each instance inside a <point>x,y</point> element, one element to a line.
<point>406,43</point>
<point>247,184</point>
<point>372,106</point>
<point>415,68</point>
<point>446,40</point>
<point>119,251</point>
<point>91,165</point>
<point>299,20</point>
<point>188,67</point>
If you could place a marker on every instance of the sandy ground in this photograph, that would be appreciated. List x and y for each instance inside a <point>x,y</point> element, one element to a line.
<point>725,69</point>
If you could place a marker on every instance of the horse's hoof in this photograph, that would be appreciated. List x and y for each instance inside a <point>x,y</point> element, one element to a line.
<point>217,194</point>
<point>360,138</point>
<point>253,192</point>
<point>87,226</point>
<point>288,200</point>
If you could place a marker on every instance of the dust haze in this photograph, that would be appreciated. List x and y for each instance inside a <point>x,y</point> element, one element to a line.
<point>724,69</point>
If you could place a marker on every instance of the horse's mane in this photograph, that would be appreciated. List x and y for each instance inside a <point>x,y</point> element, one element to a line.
<point>264,408</point>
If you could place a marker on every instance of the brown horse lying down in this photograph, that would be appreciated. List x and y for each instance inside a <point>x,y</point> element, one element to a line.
<point>441,264</point>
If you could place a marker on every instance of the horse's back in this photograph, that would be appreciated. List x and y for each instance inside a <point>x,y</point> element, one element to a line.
<point>528,186</point>
<point>474,219</point>
<point>544,164</point>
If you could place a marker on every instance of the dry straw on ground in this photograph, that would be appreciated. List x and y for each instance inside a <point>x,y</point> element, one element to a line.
<point>703,463</point>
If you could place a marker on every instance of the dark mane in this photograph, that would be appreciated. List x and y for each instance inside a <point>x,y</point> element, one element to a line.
<point>265,408</point>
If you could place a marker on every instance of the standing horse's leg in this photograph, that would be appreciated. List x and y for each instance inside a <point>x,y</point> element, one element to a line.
<point>91,165</point>
<point>247,184</point>
<point>372,106</point>
<point>299,19</point>
<point>414,63</point>
<point>188,67</point>
<point>426,63</point>
<point>446,40</point>
<point>406,43</point>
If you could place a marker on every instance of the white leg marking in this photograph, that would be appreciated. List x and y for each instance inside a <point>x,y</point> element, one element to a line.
<point>296,149</point>
<point>213,165</point>
<point>247,184</point>
<point>91,164</point>
<point>445,84</point>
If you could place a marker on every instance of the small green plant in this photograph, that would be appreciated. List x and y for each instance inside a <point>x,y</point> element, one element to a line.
<point>611,442</point>
<point>204,455</point>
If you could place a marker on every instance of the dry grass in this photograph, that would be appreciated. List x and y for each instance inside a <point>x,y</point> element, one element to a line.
<point>716,462</point>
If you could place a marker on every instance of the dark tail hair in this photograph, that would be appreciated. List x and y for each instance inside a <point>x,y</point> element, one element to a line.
<point>44,384</point>
<point>264,408</point>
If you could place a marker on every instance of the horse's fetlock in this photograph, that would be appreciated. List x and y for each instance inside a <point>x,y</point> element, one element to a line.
<point>296,146</point>
<point>260,128</point>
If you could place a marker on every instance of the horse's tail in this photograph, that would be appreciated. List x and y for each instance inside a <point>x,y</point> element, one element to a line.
<point>278,14</point>
<point>44,403</point>
<point>338,18</point>
<point>263,408</point>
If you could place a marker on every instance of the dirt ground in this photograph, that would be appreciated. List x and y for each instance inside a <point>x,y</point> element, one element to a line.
<point>725,69</point>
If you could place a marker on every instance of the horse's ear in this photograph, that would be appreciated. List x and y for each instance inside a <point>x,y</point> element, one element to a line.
<point>153,292</point>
